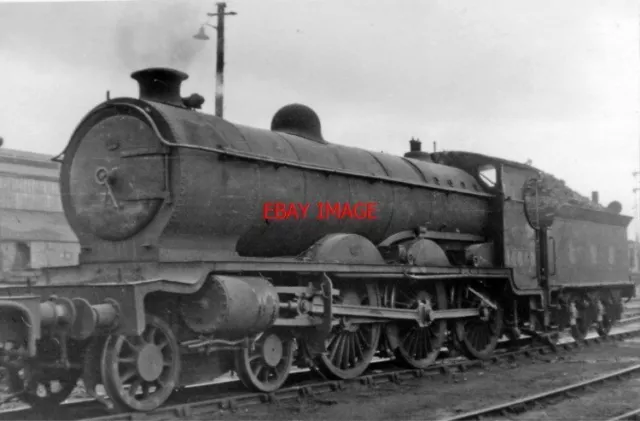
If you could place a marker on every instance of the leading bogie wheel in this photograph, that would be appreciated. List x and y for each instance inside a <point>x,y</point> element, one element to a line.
<point>139,373</point>
<point>43,391</point>
<point>477,337</point>
<point>265,366</point>
<point>351,345</point>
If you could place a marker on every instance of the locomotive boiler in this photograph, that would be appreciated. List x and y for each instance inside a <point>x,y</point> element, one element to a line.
<point>150,178</point>
<point>182,278</point>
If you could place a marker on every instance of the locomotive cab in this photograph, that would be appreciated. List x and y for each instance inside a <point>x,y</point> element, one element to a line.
<point>513,239</point>
<point>587,244</point>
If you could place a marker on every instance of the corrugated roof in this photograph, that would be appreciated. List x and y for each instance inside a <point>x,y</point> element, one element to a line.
<point>29,171</point>
<point>27,159</point>
<point>28,164</point>
<point>31,156</point>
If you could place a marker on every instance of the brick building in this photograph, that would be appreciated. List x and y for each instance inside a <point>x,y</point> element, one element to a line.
<point>33,229</point>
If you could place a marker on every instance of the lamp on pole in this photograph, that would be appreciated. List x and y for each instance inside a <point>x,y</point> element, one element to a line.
<point>201,35</point>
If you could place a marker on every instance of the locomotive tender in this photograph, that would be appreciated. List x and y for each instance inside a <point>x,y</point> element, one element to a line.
<point>182,279</point>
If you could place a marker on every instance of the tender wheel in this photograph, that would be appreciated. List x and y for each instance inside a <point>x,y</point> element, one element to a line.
<point>267,366</point>
<point>604,327</point>
<point>580,330</point>
<point>140,372</point>
<point>417,347</point>
<point>478,337</point>
<point>351,345</point>
<point>43,391</point>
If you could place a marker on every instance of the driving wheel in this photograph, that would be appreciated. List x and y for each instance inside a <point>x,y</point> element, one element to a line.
<point>417,346</point>
<point>478,336</point>
<point>351,344</point>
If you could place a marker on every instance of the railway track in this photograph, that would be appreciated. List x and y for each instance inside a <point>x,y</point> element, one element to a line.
<point>522,405</point>
<point>519,406</point>
<point>627,416</point>
<point>195,402</point>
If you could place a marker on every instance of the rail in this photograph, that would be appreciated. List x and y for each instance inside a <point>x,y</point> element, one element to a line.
<point>520,405</point>
<point>200,405</point>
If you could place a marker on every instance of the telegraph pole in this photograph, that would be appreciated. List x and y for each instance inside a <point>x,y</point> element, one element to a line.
<point>220,56</point>
<point>201,35</point>
<point>636,180</point>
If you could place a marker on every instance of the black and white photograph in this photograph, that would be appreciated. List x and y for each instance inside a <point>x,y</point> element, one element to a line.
<point>320,210</point>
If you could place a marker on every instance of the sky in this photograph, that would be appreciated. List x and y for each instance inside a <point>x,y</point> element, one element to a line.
<point>553,82</point>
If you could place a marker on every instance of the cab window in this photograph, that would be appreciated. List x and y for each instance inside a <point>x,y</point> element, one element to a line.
<point>488,175</point>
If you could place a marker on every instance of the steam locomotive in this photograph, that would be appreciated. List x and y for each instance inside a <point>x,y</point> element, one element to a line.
<point>182,278</point>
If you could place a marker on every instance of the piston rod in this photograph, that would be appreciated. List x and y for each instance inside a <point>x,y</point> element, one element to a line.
<point>418,314</point>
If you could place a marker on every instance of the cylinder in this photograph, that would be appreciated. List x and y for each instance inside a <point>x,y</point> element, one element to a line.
<point>232,306</point>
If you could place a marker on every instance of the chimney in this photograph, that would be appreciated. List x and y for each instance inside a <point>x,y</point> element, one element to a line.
<point>415,145</point>
<point>160,84</point>
<point>595,197</point>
